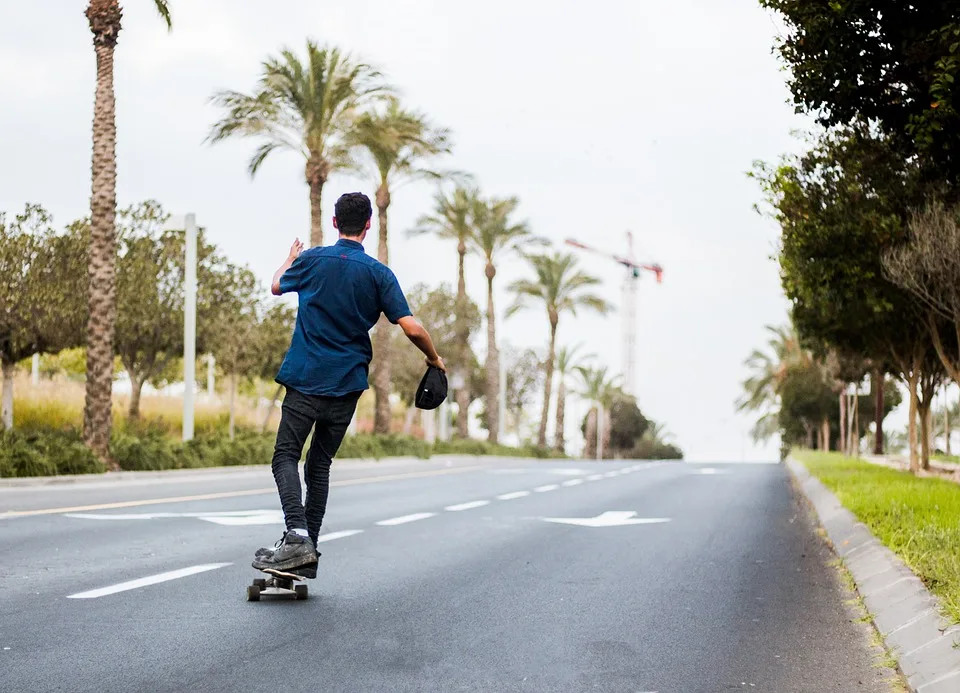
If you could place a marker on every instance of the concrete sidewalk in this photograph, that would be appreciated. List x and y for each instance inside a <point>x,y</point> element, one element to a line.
<point>905,613</point>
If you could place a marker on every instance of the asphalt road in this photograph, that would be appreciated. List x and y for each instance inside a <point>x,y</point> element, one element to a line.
<point>434,577</point>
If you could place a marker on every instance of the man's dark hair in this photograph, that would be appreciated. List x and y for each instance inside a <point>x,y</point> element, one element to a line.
<point>353,211</point>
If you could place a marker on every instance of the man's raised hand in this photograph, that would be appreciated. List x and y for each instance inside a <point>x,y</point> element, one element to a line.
<point>295,249</point>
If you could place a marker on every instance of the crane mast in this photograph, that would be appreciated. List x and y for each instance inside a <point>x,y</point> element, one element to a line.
<point>628,306</point>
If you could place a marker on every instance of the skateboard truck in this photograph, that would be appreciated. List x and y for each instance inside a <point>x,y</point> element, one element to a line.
<point>276,586</point>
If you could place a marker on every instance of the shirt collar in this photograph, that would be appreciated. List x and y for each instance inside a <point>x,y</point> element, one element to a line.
<point>348,243</point>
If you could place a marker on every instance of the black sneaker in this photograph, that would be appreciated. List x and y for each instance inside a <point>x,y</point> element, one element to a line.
<point>307,571</point>
<point>293,552</point>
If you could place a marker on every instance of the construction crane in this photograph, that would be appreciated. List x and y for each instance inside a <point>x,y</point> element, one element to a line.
<point>628,309</point>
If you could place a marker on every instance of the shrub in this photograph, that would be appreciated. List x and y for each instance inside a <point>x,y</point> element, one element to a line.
<point>45,454</point>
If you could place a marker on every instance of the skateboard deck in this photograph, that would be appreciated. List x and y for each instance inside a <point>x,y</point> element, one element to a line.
<point>277,586</point>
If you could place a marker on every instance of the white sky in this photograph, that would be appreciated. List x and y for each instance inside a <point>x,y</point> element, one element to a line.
<point>600,116</point>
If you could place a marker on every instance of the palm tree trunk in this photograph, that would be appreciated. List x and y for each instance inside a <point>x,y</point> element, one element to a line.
<point>382,373</point>
<point>590,435</point>
<point>232,426</point>
<point>104,17</point>
<point>877,382</point>
<point>548,383</point>
<point>493,363</point>
<point>6,401</point>
<point>317,172</point>
<point>559,443</point>
<point>463,348</point>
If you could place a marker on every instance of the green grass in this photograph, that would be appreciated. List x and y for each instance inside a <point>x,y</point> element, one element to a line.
<point>917,518</point>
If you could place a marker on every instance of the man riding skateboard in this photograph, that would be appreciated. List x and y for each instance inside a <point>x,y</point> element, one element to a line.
<point>342,292</point>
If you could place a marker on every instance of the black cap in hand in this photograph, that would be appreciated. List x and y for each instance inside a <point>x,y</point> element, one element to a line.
<point>432,390</point>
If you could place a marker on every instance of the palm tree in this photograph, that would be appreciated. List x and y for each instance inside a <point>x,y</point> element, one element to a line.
<point>494,233</point>
<point>568,358</point>
<point>562,288</point>
<point>768,370</point>
<point>452,220</point>
<point>658,433</point>
<point>397,141</point>
<point>596,387</point>
<point>104,17</point>
<point>307,107</point>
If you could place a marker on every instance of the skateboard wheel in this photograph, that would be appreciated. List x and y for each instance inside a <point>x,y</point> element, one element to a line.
<point>253,593</point>
<point>301,591</point>
<point>261,583</point>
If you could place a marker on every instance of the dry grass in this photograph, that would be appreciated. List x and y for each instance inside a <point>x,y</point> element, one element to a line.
<point>58,404</point>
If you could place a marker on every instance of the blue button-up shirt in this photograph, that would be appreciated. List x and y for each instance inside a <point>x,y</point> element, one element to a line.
<point>342,291</point>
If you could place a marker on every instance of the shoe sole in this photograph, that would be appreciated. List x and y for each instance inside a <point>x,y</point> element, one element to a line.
<point>290,564</point>
<point>283,574</point>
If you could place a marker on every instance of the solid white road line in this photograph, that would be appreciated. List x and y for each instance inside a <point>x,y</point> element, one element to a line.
<point>512,496</point>
<point>548,487</point>
<point>467,506</point>
<point>143,582</point>
<point>572,482</point>
<point>595,477</point>
<point>338,535</point>
<point>405,519</point>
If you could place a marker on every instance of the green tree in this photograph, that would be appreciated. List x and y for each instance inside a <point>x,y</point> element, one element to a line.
<point>841,207</point>
<point>306,106</point>
<point>524,378</point>
<point>452,219</point>
<point>568,359</point>
<point>41,293</point>
<point>891,63</point>
<point>104,17</point>
<point>398,142</point>
<point>560,287</point>
<point>235,334</point>
<point>274,331</point>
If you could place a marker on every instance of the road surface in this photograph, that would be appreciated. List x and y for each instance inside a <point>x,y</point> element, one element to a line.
<point>438,576</point>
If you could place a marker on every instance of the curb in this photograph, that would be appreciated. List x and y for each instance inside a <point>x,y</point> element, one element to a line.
<point>903,611</point>
<point>174,474</point>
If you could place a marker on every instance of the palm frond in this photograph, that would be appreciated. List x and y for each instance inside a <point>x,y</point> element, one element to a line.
<point>163,9</point>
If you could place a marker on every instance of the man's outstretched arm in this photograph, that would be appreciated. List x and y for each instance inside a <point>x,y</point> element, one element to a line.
<point>295,251</point>
<point>417,334</point>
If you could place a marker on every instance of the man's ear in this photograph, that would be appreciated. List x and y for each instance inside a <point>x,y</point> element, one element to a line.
<point>367,227</point>
<point>335,223</point>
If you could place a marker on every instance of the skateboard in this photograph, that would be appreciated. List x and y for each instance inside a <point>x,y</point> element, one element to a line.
<point>276,586</point>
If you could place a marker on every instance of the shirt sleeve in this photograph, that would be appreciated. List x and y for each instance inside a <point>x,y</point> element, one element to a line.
<point>292,279</point>
<point>393,303</point>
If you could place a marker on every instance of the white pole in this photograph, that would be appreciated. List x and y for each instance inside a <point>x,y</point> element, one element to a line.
<point>35,371</point>
<point>429,421</point>
<point>444,412</point>
<point>211,375</point>
<point>190,326</point>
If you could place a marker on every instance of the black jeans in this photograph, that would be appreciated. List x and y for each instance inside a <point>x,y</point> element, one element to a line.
<point>331,416</point>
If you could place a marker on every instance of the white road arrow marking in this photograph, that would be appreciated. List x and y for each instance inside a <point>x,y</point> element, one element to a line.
<point>613,518</point>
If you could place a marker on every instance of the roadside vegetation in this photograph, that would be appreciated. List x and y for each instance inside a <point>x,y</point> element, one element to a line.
<point>916,518</point>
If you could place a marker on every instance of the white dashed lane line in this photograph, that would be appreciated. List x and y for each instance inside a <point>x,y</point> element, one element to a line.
<point>151,580</point>
<point>548,487</point>
<point>572,482</point>
<point>404,519</point>
<point>338,535</point>
<point>467,506</point>
<point>595,477</point>
<point>512,496</point>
